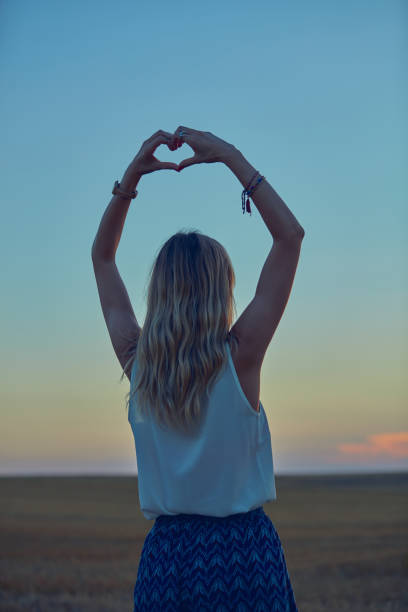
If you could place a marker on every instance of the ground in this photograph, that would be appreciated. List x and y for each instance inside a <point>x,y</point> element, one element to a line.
<point>74,543</point>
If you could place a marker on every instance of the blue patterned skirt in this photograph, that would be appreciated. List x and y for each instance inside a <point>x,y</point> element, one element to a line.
<point>193,562</point>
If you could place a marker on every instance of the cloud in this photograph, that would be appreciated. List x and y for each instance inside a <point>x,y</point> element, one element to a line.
<point>385,444</point>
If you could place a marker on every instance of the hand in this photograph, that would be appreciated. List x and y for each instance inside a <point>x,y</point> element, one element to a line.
<point>145,162</point>
<point>207,147</point>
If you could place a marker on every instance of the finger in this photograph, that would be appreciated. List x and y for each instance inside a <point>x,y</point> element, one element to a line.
<point>190,161</point>
<point>158,133</point>
<point>186,132</point>
<point>185,129</point>
<point>167,166</point>
<point>152,137</point>
<point>172,143</point>
<point>177,139</point>
<point>160,137</point>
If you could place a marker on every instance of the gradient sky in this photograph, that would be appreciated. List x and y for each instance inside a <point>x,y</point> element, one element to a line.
<point>314,94</point>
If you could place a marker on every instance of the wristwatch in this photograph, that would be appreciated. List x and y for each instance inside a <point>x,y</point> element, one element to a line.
<point>118,191</point>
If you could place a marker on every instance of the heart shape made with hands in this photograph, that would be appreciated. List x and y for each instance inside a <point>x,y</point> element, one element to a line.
<point>174,150</point>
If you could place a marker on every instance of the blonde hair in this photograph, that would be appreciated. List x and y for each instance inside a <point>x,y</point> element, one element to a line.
<point>181,348</point>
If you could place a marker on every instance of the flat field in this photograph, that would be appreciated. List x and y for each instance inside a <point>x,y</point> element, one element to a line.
<point>74,543</point>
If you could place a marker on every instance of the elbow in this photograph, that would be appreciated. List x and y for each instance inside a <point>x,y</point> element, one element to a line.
<point>300,232</point>
<point>94,250</point>
<point>296,235</point>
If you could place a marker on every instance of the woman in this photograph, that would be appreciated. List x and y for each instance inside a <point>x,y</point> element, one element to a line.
<point>202,439</point>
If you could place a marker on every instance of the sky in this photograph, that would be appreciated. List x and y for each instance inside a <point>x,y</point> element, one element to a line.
<point>314,94</point>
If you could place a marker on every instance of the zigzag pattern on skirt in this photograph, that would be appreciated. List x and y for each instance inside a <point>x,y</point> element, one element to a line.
<point>192,562</point>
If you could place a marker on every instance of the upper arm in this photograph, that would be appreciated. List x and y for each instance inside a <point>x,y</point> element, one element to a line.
<point>117,309</point>
<point>257,324</point>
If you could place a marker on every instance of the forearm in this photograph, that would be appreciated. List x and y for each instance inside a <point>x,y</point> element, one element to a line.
<point>111,226</point>
<point>278,218</point>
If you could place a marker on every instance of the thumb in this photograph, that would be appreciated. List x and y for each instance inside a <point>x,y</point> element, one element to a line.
<point>188,162</point>
<point>167,166</point>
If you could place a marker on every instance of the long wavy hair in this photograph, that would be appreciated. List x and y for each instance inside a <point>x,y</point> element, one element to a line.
<point>181,348</point>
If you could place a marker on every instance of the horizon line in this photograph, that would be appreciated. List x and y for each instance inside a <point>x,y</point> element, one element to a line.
<point>133,475</point>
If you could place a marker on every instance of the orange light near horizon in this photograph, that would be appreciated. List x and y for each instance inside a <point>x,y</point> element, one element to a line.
<point>391,444</point>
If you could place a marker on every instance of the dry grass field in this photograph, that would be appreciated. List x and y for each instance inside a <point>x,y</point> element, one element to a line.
<point>73,543</point>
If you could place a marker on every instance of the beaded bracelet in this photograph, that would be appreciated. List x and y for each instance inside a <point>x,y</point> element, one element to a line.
<point>249,191</point>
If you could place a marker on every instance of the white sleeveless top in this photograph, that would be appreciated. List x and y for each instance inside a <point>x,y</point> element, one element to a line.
<point>224,469</point>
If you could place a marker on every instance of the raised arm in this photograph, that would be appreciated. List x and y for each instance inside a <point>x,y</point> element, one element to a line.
<point>257,324</point>
<point>279,220</point>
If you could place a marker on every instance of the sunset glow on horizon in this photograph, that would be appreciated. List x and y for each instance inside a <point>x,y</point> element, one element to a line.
<point>393,445</point>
